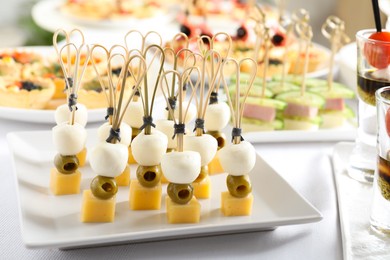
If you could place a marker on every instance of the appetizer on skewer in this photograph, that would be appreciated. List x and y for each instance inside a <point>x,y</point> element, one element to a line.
<point>335,112</point>
<point>180,167</point>
<point>239,157</point>
<point>217,114</point>
<point>205,144</point>
<point>149,145</point>
<point>302,108</point>
<point>69,135</point>
<point>108,158</point>
<point>111,89</point>
<point>136,42</point>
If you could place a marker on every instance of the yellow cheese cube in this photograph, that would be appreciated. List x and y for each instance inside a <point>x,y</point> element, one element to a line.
<point>215,166</point>
<point>232,206</point>
<point>97,210</point>
<point>124,178</point>
<point>82,156</point>
<point>202,189</point>
<point>64,184</point>
<point>143,198</point>
<point>182,213</point>
<point>131,159</point>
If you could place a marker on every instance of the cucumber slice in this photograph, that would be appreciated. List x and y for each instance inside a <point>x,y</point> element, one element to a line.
<point>338,91</point>
<point>347,112</point>
<point>267,102</point>
<point>307,99</point>
<point>277,88</point>
<point>252,125</point>
<point>294,79</point>
<point>254,92</point>
<point>245,77</point>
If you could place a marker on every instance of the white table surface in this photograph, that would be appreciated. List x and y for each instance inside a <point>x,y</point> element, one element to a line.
<point>306,166</point>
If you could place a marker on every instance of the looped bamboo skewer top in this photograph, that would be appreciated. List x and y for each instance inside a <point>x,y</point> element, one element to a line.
<point>210,57</point>
<point>72,74</point>
<point>157,53</point>
<point>260,21</point>
<point>137,37</point>
<point>306,34</point>
<point>110,85</point>
<point>120,105</point>
<point>300,16</point>
<point>334,30</point>
<point>237,109</point>
<point>183,78</point>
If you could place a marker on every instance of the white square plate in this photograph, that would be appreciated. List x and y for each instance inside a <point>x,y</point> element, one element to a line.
<point>49,221</point>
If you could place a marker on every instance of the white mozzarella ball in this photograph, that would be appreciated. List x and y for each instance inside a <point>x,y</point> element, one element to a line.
<point>134,114</point>
<point>167,127</point>
<point>109,160</point>
<point>238,159</point>
<point>190,114</point>
<point>181,167</point>
<point>125,133</point>
<point>205,145</point>
<point>69,139</point>
<point>217,116</point>
<point>148,149</point>
<point>62,114</point>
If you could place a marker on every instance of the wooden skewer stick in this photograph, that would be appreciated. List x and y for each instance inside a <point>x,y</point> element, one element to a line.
<point>298,17</point>
<point>334,30</point>
<point>306,34</point>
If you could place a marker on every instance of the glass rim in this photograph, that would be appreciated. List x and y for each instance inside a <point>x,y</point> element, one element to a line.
<point>379,97</point>
<point>362,35</point>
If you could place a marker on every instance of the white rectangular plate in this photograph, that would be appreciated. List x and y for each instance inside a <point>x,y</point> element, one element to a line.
<point>49,221</point>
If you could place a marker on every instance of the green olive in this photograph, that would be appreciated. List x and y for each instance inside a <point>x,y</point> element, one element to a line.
<point>180,193</point>
<point>238,186</point>
<point>104,187</point>
<point>149,176</point>
<point>204,171</point>
<point>221,138</point>
<point>66,164</point>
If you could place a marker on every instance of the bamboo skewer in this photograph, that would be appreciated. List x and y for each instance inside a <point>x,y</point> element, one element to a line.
<point>334,30</point>
<point>237,110</point>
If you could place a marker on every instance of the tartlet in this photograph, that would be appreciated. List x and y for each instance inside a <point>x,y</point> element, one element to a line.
<point>30,94</point>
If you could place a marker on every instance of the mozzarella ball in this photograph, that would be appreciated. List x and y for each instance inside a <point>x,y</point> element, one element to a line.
<point>190,114</point>
<point>109,160</point>
<point>238,159</point>
<point>69,139</point>
<point>125,133</point>
<point>181,167</point>
<point>167,127</point>
<point>134,114</point>
<point>62,114</point>
<point>205,145</point>
<point>147,150</point>
<point>217,116</point>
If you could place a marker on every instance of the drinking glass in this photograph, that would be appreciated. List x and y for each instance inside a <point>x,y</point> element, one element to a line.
<point>380,211</point>
<point>373,58</point>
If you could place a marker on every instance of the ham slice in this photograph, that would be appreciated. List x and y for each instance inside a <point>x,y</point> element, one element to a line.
<point>334,104</point>
<point>300,110</point>
<point>263,113</point>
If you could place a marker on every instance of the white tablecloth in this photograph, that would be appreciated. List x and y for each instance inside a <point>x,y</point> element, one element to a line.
<point>306,166</point>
